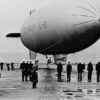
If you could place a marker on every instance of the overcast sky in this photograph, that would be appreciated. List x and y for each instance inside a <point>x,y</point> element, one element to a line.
<point>12,15</point>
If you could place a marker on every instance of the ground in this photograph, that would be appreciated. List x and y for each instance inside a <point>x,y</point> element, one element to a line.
<point>12,88</point>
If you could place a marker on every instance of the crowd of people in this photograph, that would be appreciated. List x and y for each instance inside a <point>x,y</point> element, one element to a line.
<point>80,69</point>
<point>10,66</point>
<point>29,72</point>
<point>28,69</point>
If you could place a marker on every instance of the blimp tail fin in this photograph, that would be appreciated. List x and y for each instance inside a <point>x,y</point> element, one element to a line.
<point>13,35</point>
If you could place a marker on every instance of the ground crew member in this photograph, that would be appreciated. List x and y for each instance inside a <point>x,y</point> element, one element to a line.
<point>98,71</point>
<point>80,70</point>
<point>1,64</point>
<point>8,66</point>
<point>30,65</point>
<point>26,72</point>
<point>12,66</point>
<point>22,67</point>
<point>90,70</point>
<point>59,70</point>
<point>69,69</point>
<point>34,77</point>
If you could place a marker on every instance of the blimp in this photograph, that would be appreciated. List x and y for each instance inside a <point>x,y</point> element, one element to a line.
<point>61,28</point>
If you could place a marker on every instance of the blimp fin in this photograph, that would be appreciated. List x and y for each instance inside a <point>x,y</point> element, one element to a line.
<point>13,35</point>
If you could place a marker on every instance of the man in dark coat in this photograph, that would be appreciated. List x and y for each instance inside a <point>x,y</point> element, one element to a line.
<point>1,64</point>
<point>30,65</point>
<point>34,75</point>
<point>98,71</point>
<point>24,67</point>
<point>90,70</point>
<point>26,72</point>
<point>59,70</point>
<point>69,69</point>
<point>12,66</point>
<point>80,70</point>
<point>8,66</point>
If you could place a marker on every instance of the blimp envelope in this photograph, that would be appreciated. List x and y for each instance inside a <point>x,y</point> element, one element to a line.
<point>64,27</point>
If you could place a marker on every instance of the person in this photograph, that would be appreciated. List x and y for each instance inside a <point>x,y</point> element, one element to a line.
<point>23,67</point>
<point>69,69</point>
<point>34,75</point>
<point>8,66</point>
<point>1,64</point>
<point>80,70</point>
<point>90,70</point>
<point>59,70</point>
<point>12,66</point>
<point>98,71</point>
<point>26,72</point>
<point>30,65</point>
